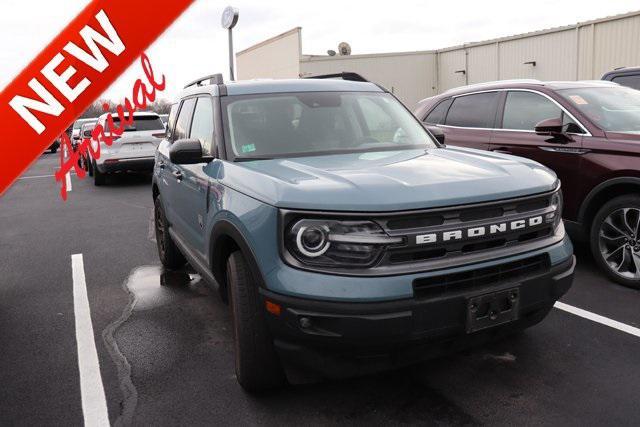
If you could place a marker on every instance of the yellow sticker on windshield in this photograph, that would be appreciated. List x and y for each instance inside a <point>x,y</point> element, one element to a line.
<point>577,99</point>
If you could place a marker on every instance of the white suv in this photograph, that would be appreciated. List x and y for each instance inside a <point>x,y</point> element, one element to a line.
<point>134,150</point>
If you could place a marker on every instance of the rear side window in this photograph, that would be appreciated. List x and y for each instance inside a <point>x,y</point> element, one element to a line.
<point>202,124</point>
<point>523,110</point>
<point>473,111</point>
<point>629,81</point>
<point>184,118</point>
<point>437,115</point>
<point>171,121</point>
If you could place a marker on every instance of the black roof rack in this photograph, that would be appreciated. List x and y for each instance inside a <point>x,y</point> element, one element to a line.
<point>213,79</point>
<point>345,75</point>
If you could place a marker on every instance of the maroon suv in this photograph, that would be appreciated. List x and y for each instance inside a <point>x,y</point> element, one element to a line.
<point>587,132</point>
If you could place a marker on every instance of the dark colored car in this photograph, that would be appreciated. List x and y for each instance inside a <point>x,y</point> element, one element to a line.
<point>625,76</point>
<point>587,132</point>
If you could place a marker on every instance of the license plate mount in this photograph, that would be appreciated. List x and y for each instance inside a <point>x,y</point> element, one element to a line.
<point>496,308</point>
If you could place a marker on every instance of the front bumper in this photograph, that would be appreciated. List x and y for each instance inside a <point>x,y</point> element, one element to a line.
<point>338,339</point>
<point>137,164</point>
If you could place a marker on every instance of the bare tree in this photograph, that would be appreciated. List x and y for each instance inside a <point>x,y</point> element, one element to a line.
<point>160,106</point>
<point>96,108</point>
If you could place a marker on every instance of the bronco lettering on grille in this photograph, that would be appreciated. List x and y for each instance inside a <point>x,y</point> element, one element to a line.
<point>484,230</point>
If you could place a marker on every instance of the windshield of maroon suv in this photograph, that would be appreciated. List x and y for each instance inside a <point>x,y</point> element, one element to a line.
<point>313,123</point>
<point>614,109</point>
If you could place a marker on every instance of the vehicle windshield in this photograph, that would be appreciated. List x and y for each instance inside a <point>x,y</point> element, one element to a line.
<point>308,123</point>
<point>614,109</point>
<point>140,123</point>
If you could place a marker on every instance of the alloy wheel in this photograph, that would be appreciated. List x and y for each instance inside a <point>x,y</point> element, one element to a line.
<point>619,242</point>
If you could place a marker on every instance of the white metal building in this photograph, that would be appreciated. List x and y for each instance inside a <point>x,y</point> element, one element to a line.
<point>576,52</point>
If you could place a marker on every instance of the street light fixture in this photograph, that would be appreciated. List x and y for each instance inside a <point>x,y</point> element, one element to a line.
<point>229,20</point>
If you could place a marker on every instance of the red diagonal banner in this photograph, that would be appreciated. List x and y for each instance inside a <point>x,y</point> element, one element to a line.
<point>71,72</point>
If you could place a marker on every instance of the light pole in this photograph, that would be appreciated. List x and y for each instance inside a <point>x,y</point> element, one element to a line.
<point>229,20</point>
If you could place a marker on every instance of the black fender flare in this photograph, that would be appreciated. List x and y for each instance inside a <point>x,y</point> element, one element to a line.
<point>218,253</point>
<point>598,189</point>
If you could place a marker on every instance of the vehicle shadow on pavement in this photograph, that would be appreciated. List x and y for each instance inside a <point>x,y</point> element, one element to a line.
<point>176,337</point>
<point>119,180</point>
<point>177,341</point>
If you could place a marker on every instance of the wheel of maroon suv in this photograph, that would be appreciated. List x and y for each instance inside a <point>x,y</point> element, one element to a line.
<point>615,239</point>
<point>257,365</point>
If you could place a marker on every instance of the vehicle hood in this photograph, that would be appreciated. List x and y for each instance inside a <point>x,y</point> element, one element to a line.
<point>388,181</point>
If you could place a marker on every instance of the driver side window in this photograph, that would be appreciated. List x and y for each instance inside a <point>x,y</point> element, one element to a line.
<point>202,124</point>
<point>184,117</point>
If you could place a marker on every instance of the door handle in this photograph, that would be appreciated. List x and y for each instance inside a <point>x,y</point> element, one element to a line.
<point>566,150</point>
<point>501,150</point>
<point>178,175</point>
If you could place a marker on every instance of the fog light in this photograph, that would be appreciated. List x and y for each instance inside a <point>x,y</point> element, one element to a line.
<point>305,322</point>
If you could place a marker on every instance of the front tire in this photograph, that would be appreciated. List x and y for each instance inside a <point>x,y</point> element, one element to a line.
<point>169,254</point>
<point>615,240</point>
<point>257,365</point>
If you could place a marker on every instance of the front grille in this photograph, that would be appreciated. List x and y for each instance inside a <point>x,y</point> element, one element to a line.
<point>514,271</point>
<point>422,238</point>
<point>414,224</point>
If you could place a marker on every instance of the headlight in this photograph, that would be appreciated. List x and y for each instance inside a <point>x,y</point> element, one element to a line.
<point>555,215</point>
<point>333,243</point>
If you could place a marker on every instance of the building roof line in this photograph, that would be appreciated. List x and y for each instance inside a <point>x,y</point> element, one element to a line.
<point>482,42</point>
<point>269,40</point>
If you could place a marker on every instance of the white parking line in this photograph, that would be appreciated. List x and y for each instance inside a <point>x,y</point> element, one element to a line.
<point>94,404</point>
<point>36,176</point>
<point>68,178</point>
<point>39,176</point>
<point>68,175</point>
<point>598,319</point>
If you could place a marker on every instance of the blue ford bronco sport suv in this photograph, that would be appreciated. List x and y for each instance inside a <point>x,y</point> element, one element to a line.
<point>344,236</point>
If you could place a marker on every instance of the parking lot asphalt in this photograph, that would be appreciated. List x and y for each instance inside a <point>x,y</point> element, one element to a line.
<point>164,340</point>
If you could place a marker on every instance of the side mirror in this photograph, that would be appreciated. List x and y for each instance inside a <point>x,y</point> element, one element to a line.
<point>436,132</point>
<point>187,152</point>
<point>87,133</point>
<point>555,129</point>
<point>552,127</point>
